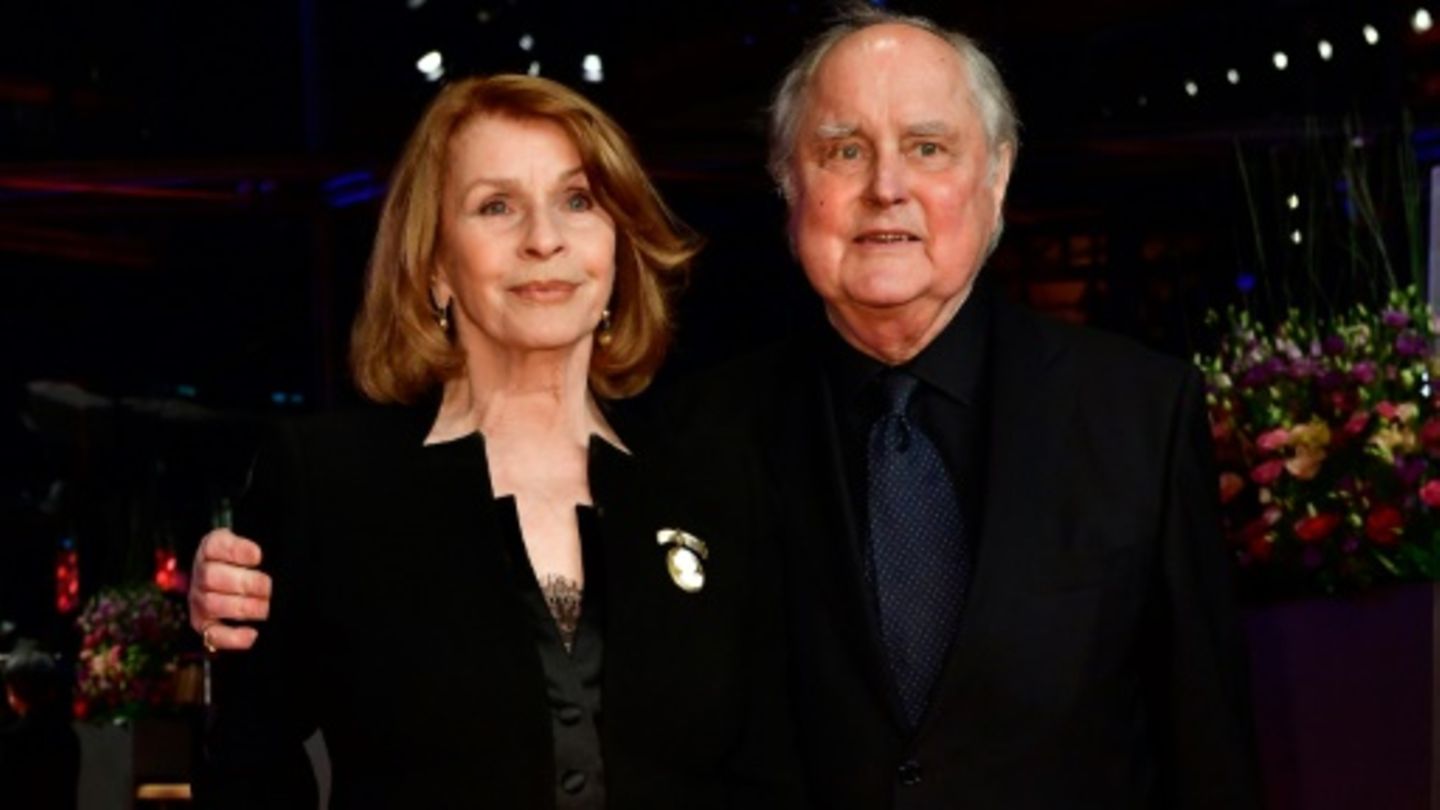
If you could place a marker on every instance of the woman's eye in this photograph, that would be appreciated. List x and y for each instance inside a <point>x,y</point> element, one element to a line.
<point>848,151</point>
<point>580,201</point>
<point>493,207</point>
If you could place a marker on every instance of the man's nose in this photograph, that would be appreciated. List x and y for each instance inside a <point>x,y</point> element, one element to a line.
<point>543,236</point>
<point>889,180</point>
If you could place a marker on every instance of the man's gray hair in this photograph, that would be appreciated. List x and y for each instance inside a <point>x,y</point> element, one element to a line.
<point>997,110</point>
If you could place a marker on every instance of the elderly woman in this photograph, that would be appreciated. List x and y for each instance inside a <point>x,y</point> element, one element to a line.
<point>481,594</point>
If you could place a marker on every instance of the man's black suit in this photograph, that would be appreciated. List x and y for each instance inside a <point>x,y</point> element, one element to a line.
<point>396,628</point>
<point>1098,663</point>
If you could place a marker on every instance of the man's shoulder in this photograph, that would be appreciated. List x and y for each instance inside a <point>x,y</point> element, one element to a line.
<point>1119,363</point>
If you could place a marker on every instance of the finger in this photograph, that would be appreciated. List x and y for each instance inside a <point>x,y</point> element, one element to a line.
<point>226,637</point>
<point>227,546</point>
<point>229,608</point>
<point>218,577</point>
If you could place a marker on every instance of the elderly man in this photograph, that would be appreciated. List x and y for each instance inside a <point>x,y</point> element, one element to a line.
<point>1006,586</point>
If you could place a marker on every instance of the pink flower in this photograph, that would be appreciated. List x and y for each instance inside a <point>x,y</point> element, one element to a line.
<point>1357,423</point>
<point>1430,493</point>
<point>1267,473</point>
<point>1273,440</point>
<point>1387,409</point>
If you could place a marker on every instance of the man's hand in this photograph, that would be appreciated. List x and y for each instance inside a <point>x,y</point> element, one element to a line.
<point>224,585</point>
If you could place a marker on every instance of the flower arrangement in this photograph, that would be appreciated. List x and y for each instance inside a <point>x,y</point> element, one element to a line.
<point>1327,435</point>
<point>129,640</point>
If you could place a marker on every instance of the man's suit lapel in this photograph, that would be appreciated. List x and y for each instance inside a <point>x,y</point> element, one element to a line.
<point>1029,406</point>
<point>804,452</point>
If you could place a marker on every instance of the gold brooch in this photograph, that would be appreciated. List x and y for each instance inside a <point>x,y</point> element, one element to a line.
<point>685,558</point>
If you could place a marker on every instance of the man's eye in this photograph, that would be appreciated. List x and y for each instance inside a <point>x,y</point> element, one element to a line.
<point>849,151</point>
<point>580,201</point>
<point>492,208</point>
<point>928,149</point>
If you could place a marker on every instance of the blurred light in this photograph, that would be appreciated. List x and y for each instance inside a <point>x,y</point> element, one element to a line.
<point>483,15</point>
<point>534,69</point>
<point>526,42</point>
<point>432,65</point>
<point>1281,60</point>
<point>1232,76</point>
<point>1296,236</point>
<point>414,4</point>
<point>1421,21</point>
<point>1245,282</point>
<point>1372,36</point>
<point>1192,89</point>
<point>1142,101</point>
<point>1326,49</point>
<point>593,70</point>
<point>1293,201</point>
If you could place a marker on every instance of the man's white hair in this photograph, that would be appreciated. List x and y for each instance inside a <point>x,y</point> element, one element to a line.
<point>997,110</point>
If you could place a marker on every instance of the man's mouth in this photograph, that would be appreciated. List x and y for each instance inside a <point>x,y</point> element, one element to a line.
<point>886,237</point>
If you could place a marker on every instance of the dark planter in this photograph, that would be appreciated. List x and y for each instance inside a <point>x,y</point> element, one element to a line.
<point>1345,700</point>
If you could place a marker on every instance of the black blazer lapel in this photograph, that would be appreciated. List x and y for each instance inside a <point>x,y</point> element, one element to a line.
<point>803,451</point>
<point>1029,408</point>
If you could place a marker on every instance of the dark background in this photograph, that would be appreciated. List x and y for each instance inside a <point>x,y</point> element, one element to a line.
<point>188,191</point>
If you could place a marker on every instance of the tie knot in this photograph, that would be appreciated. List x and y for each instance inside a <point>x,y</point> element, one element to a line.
<point>895,389</point>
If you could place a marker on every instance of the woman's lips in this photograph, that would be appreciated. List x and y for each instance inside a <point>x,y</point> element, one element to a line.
<point>544,292</point>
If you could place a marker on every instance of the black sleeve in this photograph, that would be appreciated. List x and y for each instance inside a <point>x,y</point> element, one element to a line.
<point>264,706</point>
<point>765,772</point>
<point>1211,760</point>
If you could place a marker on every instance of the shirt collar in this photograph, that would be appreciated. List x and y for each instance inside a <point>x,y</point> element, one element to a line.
<point>952,363</point>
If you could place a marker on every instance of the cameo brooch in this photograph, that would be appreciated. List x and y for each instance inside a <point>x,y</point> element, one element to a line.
<point>685,556</point>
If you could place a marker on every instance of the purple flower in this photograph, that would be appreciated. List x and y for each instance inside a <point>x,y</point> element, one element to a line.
<point>1395,318</point>
<point>1363,372</point>
<point>1350,545</point>
<point>1410,470</point>
<point>1410,344</point>
<point>1334,345</point>
<point>1256,376</point>
<point>1303,368</point>
<point>1312,557</point>
<point>1331,380</point>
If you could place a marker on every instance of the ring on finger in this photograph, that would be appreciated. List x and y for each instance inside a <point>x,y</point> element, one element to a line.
<point>205,638</point>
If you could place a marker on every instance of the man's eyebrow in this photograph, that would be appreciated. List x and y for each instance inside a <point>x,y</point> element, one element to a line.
<point>834,131</point>
<point>929,128</point>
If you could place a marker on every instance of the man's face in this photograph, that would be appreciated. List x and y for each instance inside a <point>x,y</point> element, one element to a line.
<point>894,197</point>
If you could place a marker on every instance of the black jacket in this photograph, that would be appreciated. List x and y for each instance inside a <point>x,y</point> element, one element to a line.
<point>396,630</point>
<point>1099,662</point>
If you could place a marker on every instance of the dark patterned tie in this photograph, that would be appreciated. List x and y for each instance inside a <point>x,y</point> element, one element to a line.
<point>918,553</point>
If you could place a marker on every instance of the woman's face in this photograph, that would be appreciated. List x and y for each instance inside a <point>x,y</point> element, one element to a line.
<point>525,252</point>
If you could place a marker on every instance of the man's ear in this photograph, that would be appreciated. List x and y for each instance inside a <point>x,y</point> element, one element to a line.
<point>1001,162</point>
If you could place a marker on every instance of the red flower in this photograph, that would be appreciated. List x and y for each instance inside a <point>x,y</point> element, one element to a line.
<point>1230,486</point>
<point>1430,435</point>
<point>1387,409</point>
<point>1315,528</point>
<point>1430,493</point>
<point>1383,525</point>
<point>1267,473</point>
